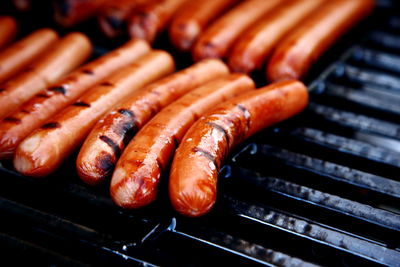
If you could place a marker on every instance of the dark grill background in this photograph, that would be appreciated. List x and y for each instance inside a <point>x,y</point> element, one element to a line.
<point>322,188</point>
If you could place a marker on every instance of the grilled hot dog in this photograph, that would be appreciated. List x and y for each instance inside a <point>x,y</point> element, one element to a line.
<point>8,30</point>
<point>148,20</point>
<point>46,148</point>
<point>192,18</point>
<point>14,58</point>
<point>96,159</point>
<point>46,70</point>
<point>194,170</point>
<point>134,182</point>
<point>294,56</point>
<point>42,106</point>
<point>220,35</point>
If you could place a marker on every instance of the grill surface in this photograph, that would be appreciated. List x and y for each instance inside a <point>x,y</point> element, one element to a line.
<point>322,188</point>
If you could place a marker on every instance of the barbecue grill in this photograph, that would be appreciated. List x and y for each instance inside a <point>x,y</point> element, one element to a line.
<point>321,188</point>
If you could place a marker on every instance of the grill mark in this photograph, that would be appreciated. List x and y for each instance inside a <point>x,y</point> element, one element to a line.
<point>42,95</point>
<point>105,163</point>
<point>25,111</point>
<point>127,130</point>
<point>89,72</point>
<point>13,120</point>
<point>81,104</point>
<point>126,112</point>
<point>246,114</point>
<point>51,125</point>
<point>111,144</point>
<point>59,89</point>
<point>2,90</point>
<point>205,154</point>
<point>106,84</point>
<point>221,129</point>
<point>176,142</point>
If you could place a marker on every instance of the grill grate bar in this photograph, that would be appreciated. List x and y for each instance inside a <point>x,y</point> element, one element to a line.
<point>384,40</point>
<point>376,59</point>
<point>350,146</point>
<point>355,120</point>
<point>332,170</point>
<point>315,232</point>
<point>322,199</point>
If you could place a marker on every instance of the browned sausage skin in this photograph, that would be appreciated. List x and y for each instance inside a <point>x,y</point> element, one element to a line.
<point>35,112</point>
<point>303,46</point>
<point>255,45</point>
<point>68,13</point>
<point>17,56</point>
<point>148,20</point>
<point>134,182</point>
<point>192,18</point>
<point>194,170</point>
<point>96,159</point>
<point>113,15</point>
<point>220,36</point>
<point>8,30</point>
<point>48,69</point>
<point>46,148</point>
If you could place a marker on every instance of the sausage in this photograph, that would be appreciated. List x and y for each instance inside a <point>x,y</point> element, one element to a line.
<point>42,106</point>
<point>296,53</point>
<point>68,13</point>
<point>253,48</point>
<point>14,58</point>
<point>190,21</point>
<point>112,17</point>
<point>96,159</point>
<point>220,36</point>
<point>45,149</point>
<point>140,167</point>
<point>147,21</point>
<point>194,170</point>
<point>8,30</point>
<point>49,68</point>
<point>22,5</point>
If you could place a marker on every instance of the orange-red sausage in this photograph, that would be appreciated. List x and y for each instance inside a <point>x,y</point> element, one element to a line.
<point>148,20</point>
<point>8,30</point>
<point>42,106</point>
<point>194,170</point>
<point>254,46</point>
<point>46,148</point>
<point>68,13</point>
<point>113,15</point>
<point>22,5</point>
<point>303,46</point>
<point>17,56</point>
<point>135,179</point>
<point>220,36</point>
<point>61,58</point>
<point>190,21</point>
<point>103,146</point>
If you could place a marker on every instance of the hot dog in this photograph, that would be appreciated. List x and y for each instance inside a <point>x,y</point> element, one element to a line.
<point>113,15</point>
<point>42,106</point>
<point>96,159</point>
<point>8,30</point>
<point>254,46</point>
<point>192,18</point>
<point>218,38</point>
<point>49,68</point>
<point>14,58</point>
<point>68,13</point>
<point>194,170</point>
<point>46,148</point>
<point>295,54</point>
<point>22,5</point>
<point>140,167</point>
<point>148,20</point>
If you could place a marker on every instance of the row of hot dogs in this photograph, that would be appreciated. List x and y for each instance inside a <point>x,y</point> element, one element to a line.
<point>131,91</point>
<point>248,35</point>
<point>131,116</point>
